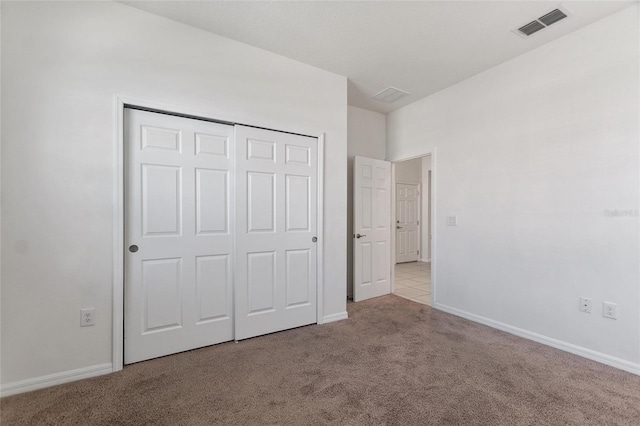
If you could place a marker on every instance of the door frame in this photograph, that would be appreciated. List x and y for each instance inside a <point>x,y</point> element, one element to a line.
<point>432,198</point>
<point>395,206</point>
<point>118,248</point>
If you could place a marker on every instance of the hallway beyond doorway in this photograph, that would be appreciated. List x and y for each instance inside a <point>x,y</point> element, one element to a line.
<point>413,281</point>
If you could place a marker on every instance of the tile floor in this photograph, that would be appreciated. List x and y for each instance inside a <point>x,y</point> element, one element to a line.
<point>413,281</point>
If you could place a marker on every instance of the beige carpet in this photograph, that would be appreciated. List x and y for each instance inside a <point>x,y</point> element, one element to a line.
<point>393,362</point>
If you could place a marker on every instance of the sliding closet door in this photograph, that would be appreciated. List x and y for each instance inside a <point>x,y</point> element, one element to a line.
<point>178,234</point>
<point>276,181</point>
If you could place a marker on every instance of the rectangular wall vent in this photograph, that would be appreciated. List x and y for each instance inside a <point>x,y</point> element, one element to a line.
<point>542,22</point>
<point>390,94</point>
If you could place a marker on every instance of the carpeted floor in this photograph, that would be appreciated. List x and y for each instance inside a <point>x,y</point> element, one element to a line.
<point>393,362</point>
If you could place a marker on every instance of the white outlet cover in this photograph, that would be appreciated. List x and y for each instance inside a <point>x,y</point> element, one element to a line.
<point>87,317</point>
<point>610,310</point>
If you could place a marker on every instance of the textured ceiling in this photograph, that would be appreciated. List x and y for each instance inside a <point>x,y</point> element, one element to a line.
<point>419,47</point>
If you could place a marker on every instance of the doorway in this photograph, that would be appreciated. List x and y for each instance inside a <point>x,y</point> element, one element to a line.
<point>412,208</point>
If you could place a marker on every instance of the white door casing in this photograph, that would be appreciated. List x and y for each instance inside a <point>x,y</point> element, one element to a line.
<point>407,222</point>
<point>276,203</point>
<point>371,227</point>
<point>178,212</point>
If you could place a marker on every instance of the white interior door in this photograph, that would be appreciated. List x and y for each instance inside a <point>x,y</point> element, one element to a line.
<point>276,182</point>
<point>371,225</point>
<point>407,222</point>
<point>178,222</point>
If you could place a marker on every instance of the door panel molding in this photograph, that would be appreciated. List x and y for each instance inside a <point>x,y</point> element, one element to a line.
<point>372,228</point>
<point>262,305</point>
<point>407,203</point>
<point>207,147</point>
<point>164,211</point>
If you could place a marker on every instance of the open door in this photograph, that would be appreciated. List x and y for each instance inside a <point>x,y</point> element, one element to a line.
<point>371,227</point>
<point>407,222</point>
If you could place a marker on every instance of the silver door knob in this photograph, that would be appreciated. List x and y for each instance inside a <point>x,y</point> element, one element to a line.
<point>360,236</point>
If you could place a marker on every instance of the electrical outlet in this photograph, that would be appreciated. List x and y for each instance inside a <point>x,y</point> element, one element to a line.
<point>87,317</point>
<point>610,310</point>
<point>452,220</point>
<point>585,305</point>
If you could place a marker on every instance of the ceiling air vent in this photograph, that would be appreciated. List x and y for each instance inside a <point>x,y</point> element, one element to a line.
<point>552,17</point>
<point>531,27</point>
<point>542,22</point>
<point>390,94</point>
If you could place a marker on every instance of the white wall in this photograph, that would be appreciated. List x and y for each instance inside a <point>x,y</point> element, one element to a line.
<point>366,138</point>
<point>409,171</point>
<point>62,64</point>
<point>530,156</point>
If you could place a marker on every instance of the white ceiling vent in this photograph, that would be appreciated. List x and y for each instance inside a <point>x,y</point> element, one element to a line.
<point>531,27</point>
<point>542,22</point>
<point>390,94</point>
<point>552,17</point>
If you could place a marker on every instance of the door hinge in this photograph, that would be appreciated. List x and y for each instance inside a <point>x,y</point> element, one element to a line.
<point>418,251</point>
<point>418,222</point>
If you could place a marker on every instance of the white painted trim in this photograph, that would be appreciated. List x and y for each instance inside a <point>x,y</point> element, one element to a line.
<point>117,342</point>
<point>638,35</point>
<point>619,363</point>
<point>392,226</point>
<point>320,231</point>
<point>432,204</point>
<point>421,227</point>
<point>55,379</point>
<point>232,225</point>
<point>334,317</point>
<point>118,205</point>
<point>406,182</point>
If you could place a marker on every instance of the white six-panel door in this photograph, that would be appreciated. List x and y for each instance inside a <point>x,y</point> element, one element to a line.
<point>407,222</point>
<point>178,234</point>
<point>371,227</point>
<point>276,195</point>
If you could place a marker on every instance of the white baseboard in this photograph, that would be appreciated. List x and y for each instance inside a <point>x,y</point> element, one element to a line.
<point>334,317</point>
<point>612,361</point>
<point>425,260</point>
<point>54,379</point>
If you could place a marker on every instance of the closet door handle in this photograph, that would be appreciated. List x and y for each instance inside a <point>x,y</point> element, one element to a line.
<point>360,236</point>
<point>133,248</point>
